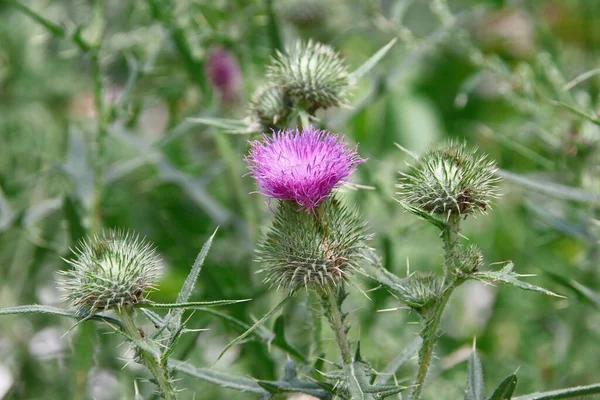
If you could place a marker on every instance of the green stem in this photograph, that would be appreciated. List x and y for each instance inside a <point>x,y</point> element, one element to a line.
<point>153,363</point>
<point>334,314</point>
<point>429,336</point>
<point>432,319</point>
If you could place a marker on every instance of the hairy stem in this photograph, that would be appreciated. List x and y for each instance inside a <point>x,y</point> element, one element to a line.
<point>150,360</point>
<point>431,320</point>
<point>334,314</point>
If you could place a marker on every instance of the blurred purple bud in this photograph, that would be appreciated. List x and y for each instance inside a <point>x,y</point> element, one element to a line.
<point>223,72</point>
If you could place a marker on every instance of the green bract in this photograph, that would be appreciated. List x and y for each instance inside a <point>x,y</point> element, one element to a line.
<point>320,248</point>
<point>112,270</point>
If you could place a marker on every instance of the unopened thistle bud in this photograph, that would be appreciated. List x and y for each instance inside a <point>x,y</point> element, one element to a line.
<point>420,290</point>
<point>448,181</point>
<point>313,75</point>
<point>112,270</point>
<point>223,72</point>
<point>269,106</point>
<point>302,166</point>
<point>316,250</point>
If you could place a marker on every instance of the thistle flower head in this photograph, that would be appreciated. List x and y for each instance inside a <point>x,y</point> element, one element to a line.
<point>269,106</point>
<point>223,72</point>
<point>312,250</point>
<point>449,180</point>
<point>112,270</point>
<point>301,166</point>
<point>312,74</point>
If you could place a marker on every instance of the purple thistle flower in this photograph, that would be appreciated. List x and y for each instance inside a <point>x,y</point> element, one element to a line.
<point>223,72</point>
<point>301,166</point>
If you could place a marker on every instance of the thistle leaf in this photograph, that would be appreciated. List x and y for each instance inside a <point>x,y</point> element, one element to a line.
<point>255,326</point>
<point>568,393</point>
<point>475,385</point>
<point>218,378</point>
<point>228,125</point>
<point>507,275</point>
<point>190,281</point>
<point>191,304</point>
<point>40,309</point>
<point>371,62</point>
<point>505,390</point>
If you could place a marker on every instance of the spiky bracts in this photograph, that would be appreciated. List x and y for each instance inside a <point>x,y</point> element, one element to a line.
<point>319,249</point>
<point>302,166</point>
<point>269,107</point>
<point>419,290</point>
<point>312,74</point>
<point>449,180</point>
<point>112,270</point>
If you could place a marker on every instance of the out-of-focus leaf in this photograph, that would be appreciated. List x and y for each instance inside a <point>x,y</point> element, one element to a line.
<point>583,291</point>
<point>387,373</point>
<point>6,213</point>
<point>475,385</point>
<point>551,188</point>
<point>371,62</point>
<point>568,393</point>
<point>280,341</point>
<point>229,125</point>
<point>255,326</point>
<point>83,358</point>
<point>505,390</point>
<point>507,275</point>
<point>218,378</point>
<point>77,168</point>
<point>76,229</point>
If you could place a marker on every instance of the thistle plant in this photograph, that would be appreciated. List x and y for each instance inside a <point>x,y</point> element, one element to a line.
<point>445,186</point>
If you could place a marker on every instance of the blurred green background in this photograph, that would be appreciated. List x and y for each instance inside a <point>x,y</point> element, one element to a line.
<point>485,71</point>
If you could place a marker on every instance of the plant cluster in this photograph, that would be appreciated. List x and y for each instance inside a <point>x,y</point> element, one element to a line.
<point>313,246</point>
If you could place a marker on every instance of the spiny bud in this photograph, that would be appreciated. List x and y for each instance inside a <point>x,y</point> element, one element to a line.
<point>420,290</point>
<point>111,270</point>
<point>465,260</point>
<point>318,249</point>
<point>449,180</point>
<point>313,75</point>
<point>269,106</point>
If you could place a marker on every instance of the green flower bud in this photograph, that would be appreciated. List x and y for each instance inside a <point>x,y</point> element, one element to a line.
<point>449,180</point>
<point>112,270</point>
<point>313,75</point>
<point>317,249</point>
<point>269,106</point>
<point>420,290</point>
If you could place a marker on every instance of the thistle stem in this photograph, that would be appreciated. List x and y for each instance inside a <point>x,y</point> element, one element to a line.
<point>150,360</point>
<point>334,314</point>
<point>431,321</point>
